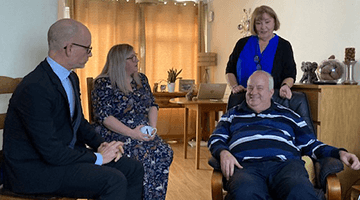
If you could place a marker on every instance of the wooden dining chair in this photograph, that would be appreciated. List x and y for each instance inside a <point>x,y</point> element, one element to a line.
<point>7,87</point>
<point>90,87</point>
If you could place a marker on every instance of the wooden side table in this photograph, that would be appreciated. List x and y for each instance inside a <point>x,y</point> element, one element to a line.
<point>162,99</point>
<point>355,192</point>
<point>199,106</point>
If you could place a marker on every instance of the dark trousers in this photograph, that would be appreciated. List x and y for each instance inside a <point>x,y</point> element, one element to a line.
<point>271,180</point>
<point>121,180</point>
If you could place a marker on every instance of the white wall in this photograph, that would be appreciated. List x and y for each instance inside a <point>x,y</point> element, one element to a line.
<point>23,32</point>
<point>23,28</point>
<point>316,29</point>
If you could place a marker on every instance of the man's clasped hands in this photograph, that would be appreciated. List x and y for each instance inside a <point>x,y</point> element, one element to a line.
<point>111,151</point>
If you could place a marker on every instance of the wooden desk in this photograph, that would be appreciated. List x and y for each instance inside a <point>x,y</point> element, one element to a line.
<point>162,99</point>
<point>199,106</point>
<point>169,114</point>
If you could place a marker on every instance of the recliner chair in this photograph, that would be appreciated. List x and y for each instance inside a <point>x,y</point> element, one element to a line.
<point>325,180</point>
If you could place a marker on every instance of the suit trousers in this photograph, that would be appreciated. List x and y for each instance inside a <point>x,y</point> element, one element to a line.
<point>119,180</point>
<point>277,180</point>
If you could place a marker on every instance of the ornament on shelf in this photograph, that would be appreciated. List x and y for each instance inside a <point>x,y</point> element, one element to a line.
<point>349,62</point>
<point>244,25</point>
<point>349,55</point>
<point>309,69</point>
<point>330,70</point>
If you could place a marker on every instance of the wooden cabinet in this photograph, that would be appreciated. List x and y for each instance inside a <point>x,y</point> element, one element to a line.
<point>335,111</point>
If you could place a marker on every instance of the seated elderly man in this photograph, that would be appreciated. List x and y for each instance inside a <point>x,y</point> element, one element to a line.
<point>260,143</point>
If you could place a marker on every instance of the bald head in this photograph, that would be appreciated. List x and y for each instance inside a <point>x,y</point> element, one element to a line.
<point>63,32</point>
<point>69,43</point>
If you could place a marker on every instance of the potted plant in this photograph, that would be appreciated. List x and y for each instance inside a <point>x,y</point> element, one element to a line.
<point>172,76</point>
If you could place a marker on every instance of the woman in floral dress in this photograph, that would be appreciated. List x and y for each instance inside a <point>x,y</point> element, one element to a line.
<point>123,103</point>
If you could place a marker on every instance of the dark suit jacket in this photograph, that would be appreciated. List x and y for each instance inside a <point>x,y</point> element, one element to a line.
<point>37,132</point>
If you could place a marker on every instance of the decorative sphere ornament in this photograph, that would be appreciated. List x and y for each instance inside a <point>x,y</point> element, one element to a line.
<point>330,70</point>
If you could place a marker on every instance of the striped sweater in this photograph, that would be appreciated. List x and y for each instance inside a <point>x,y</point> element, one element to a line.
<point>277,133</point>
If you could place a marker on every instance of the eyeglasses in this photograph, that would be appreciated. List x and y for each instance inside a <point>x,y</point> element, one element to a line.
<point>257,61</point>
<point>88,49</point>
<point>134,58</point>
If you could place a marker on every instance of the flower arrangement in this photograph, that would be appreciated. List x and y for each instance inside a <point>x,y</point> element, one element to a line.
<point>173,75</point>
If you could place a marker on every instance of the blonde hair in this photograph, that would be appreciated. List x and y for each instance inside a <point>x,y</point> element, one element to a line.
<point>115,67</point>
<point>257,15</point>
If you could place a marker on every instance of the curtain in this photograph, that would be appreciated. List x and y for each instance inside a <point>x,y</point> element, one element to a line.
<point>170,33</point>
<point>110,23</point>
<point>171,40</point>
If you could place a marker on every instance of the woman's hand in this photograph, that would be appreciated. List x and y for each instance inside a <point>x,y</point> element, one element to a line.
<point>138,135</point>
<point>237,88</point>
<point>285,92</point>
<point>232,82</point>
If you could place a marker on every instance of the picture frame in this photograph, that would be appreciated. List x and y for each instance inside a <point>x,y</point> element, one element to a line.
<point>185,85</point>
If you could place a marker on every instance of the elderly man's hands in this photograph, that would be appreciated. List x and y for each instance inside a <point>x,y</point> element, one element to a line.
<point>349,159</point>
<point>228,163</point>
<point>111,151</point>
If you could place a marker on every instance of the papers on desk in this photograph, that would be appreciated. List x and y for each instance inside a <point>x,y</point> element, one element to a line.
<point>193,143</point>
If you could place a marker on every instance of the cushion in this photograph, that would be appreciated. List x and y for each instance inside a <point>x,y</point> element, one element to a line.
<point>309,166</point>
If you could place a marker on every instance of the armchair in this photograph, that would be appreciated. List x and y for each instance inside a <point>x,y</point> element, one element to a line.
<point>322,172</point>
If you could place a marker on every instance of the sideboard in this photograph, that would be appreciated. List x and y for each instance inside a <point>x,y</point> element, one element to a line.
<point>335,111</point>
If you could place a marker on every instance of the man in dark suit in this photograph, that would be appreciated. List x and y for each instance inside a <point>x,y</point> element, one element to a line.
<point>45,134</point>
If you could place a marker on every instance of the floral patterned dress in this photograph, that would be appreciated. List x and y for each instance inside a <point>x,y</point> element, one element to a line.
<point>132,110</point>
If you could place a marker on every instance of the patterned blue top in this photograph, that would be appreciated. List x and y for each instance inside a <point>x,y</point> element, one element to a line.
<point>277,133</point>
<point>251,59</point>
<point>132,109</point>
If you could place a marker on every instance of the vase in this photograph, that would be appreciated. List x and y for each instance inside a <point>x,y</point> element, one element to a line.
<point>171,87</point>
<point>206,78</point>
<point>349,73</point>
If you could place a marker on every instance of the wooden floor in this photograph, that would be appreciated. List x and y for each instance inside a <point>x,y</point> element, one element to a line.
<point>186,183</point>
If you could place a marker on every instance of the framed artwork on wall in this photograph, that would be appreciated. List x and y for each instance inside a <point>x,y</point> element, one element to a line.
<point>185,85</point>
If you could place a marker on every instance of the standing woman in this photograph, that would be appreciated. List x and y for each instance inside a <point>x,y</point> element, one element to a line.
<point>263,50</point>
<point>123,103</point>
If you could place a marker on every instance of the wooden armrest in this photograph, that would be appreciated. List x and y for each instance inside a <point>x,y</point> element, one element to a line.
<point>216,185</point>
<point>333,187</point>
